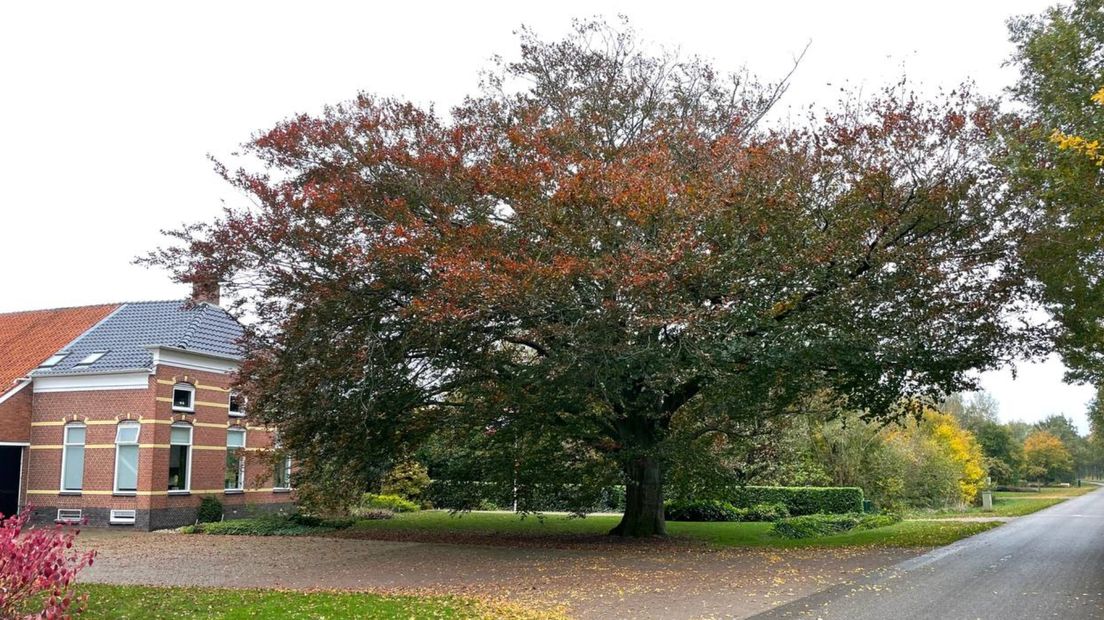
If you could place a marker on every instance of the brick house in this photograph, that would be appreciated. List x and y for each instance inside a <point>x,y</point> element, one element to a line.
<point>123,414</point>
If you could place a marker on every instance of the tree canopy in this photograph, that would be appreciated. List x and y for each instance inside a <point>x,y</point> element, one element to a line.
<point>1060,55</point>
<point>603,249</point>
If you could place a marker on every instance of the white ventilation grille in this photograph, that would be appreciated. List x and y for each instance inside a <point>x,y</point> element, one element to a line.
<point>69,515</point>
<point>122,517</point>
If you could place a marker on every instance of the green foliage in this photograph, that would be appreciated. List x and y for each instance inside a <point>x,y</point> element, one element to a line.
<point>210,509</point>
<point>394,503</point>
<point>766,512</point>
<point>376,514</point>
<point>469,495</point>
<point>815,525</point>
<point>407,479</point>
<point>1058,54</point>
<point>703,510</point>
<point>800,500</point>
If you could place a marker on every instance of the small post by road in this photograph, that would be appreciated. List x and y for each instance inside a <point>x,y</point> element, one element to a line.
<point>987,495</point>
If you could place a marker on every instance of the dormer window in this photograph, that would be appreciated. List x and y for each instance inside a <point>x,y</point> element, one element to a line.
<point>183,398</point>
<point>237,404</point>
<point>53,360</point>
<point>91,358</point>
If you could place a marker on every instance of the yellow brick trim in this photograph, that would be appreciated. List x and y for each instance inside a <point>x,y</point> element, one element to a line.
<point>168,399</point>
<point>197,385</point>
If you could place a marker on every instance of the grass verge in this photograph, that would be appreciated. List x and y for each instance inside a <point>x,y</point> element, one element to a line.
<point>156,603</point>
<point>1011,504</point>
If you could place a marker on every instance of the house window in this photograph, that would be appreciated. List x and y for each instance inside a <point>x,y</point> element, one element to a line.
<point>72,458</point>
<point>53,360</point>
<point>183,398</point>
<point>235,461</point>
<point>281,477</point>
<point>180,457</point>
<point>237,404</point>
<point>91,358</point>
<point>126,457</point>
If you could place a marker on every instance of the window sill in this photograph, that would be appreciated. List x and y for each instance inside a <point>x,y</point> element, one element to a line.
<point>175,410</point>
<point>237,415</point>
<point>233,491</point>
<point>281,490</point>
<point>125,494</point>
<point>172,492</point>
<point>73,493</point>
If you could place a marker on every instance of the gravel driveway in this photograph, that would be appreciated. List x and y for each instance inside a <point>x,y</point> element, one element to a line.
<point>612,581</point>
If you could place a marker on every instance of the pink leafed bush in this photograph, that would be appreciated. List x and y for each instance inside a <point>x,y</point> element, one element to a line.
<point>38,568</point>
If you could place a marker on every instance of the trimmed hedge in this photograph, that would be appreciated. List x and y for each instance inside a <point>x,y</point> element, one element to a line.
<point>716,511</point>
<point>709,510</point>
<point>812,526</point>
<point>471,495</point>
<point>801,500</point>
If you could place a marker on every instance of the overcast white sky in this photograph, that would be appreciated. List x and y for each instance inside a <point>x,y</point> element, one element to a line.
<point>108,111</point>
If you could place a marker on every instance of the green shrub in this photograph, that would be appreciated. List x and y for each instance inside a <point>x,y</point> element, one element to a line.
<point>394,503</point>
<point>486,504</point>
<point>408,479</point>
<point>210,509</point>
<point>767,512</point>
<point>702,510</point>
<point>377,514</point>
<point>815,525</point>
<point>801,500</point>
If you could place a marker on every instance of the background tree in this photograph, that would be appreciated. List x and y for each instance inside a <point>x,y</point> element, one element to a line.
<point>603,250</point>
<point>1046,458</point>
<point>1060,55</point>
<point>1066,431</point>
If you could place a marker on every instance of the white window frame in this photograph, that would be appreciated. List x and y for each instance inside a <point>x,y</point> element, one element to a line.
<point>286,462</point>
<point>241,459</point>
<point>241,404</point>
<point>53,360</point>
<point>191,449</point>
<point>115,484</point>
<point>187,387</point>
<point>122,516</point>
<point>65,444</point>
<point>90,359</point>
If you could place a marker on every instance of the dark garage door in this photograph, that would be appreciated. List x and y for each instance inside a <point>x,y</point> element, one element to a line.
<point>9,478</point>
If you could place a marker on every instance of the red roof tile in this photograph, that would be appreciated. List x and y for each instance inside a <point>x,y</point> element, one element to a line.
<point>28,338</point>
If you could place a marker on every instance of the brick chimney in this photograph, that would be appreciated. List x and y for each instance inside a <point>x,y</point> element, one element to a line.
<point>205,292</point>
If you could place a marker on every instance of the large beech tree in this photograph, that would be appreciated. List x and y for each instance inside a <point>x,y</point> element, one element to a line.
<point>602,245</point>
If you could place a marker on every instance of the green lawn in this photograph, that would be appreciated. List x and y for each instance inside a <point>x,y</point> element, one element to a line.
<point>1013,504</point>
<point>487,524</point>
<point>154,603</point>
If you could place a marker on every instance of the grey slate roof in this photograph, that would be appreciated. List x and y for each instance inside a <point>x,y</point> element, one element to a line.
<point>127,333</point>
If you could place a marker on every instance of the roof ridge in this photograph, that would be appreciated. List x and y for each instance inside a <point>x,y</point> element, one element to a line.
<point>73,342</point>
<point>100,305</point>
<point>16,312</point>
<point>193,326</point>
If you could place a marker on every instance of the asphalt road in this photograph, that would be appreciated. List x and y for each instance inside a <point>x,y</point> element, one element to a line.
<point>1046,565</point>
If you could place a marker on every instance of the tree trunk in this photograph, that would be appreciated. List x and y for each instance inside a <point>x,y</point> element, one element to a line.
<point>643,500</point>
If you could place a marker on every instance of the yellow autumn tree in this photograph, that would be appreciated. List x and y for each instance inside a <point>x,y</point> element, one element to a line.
<point>1046,458</point>
<point>944,462</point>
